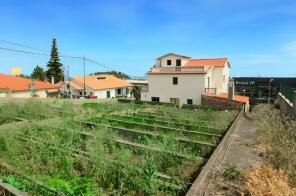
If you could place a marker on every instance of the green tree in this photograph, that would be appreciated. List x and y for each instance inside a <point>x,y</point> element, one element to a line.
<point>136,92</point>
<point>38,73</point>
<point>54,66</point>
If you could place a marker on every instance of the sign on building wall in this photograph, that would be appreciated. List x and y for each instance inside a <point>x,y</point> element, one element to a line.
<point>16,71</point>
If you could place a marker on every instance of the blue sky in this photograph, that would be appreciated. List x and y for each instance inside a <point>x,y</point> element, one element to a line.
<point>259,36</point>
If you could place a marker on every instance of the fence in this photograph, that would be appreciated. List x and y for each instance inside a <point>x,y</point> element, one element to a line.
<point>287,91</point>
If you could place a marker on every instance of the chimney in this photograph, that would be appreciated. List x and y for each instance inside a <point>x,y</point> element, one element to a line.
<point>231,90</point>
<point>52,80</point>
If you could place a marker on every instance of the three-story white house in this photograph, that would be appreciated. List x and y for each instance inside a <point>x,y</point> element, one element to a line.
<point>182,80</point>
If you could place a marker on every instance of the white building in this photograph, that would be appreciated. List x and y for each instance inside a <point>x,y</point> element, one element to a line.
<point>99,86</point>
<point>182,80</point>
<point>19,87</point>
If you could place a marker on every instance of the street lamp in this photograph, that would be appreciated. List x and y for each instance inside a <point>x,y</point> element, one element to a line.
<point>269,89</point>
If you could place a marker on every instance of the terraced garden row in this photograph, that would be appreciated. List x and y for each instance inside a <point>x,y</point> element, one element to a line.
<point>109,151</point>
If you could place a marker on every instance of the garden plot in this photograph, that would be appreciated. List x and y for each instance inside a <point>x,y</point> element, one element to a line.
<point>114,152</point>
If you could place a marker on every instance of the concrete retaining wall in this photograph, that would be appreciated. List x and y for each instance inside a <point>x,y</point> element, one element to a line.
<point>287,108</point>
<point>199,186</point>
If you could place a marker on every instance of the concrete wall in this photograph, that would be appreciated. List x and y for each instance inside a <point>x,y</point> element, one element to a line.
<point>287,108</point>
<point>190,86</point>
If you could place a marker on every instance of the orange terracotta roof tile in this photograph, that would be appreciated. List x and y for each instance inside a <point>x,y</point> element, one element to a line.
<point>74,85</point>
<point>238,98</point>
<point>99,82</point>
<point>216,62</point>
<point>15,83</point>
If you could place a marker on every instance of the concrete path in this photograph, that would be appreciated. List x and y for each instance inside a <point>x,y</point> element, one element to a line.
<point>237,149</point>
<point>241,153</point>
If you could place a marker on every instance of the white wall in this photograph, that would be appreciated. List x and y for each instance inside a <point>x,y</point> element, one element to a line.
<point>26,94</point>
<point>124,92</point>
<point>102,94</point>
<point>218,73</point>
<point>173,58</point>
<point>190,86</point>
<point>72,90</point>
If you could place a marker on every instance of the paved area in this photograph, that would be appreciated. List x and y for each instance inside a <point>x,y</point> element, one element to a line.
<point>239,152</point>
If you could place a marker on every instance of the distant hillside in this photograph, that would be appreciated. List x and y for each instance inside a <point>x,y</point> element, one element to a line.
<point>114,73</point>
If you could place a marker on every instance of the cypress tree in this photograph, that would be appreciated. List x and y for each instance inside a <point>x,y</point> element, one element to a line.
<point>54,66</point>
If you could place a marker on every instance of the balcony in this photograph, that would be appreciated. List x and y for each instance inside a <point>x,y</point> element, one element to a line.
<point>212,91</point>
<point>177,70</point>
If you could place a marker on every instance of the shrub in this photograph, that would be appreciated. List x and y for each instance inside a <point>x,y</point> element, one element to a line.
<point>277,134</point>
<point>231,172</point>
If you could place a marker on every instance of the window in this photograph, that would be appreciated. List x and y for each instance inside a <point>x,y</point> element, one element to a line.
<point>175,80</point>
<point>155,99</point>
<point>209,82</point>
<point>80,93</point>
<point>119,91</point>
<point>169,62</point>
<point>68,86</point>
<point>189,101</point>
<point>178,62</point>
<point>223,78</point>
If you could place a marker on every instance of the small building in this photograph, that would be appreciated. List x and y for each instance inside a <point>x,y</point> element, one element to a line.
<point>98,86</point>
<point>182,80</point>
<point>262,89</point>
<point>141,83</point>
<point>19,87</point>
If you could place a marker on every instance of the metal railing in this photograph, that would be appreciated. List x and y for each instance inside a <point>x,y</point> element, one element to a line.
<point>211,90</point>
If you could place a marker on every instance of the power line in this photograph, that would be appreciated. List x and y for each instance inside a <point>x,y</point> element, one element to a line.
<point>23,51</point>
<point>38,49</point>
<point>61,55</point>
<point>23,45</point>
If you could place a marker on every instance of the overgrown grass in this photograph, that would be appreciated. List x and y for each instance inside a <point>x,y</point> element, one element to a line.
<point>277,134</point>
<point>95,162</point>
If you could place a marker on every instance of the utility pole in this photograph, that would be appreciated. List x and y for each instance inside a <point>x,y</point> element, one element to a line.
<point>84,77</point>
<point>63,77</point>
<point>269,89</point>
<point>69,81</point>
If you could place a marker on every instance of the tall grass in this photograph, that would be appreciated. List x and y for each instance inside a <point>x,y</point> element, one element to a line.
<point>278,135</point>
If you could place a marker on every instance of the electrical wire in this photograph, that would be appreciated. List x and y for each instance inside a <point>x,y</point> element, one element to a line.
<point>61,55</point>
<point>23,51</point>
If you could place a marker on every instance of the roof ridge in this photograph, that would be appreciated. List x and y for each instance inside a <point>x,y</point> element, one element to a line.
<point>209,58</point>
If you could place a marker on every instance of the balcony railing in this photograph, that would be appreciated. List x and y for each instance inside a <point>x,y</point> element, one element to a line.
<point>177,69</point>
<point>211,91</point>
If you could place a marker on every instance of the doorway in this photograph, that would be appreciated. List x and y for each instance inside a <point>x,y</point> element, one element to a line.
<point>175,101</point>
<point>108,94</point>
